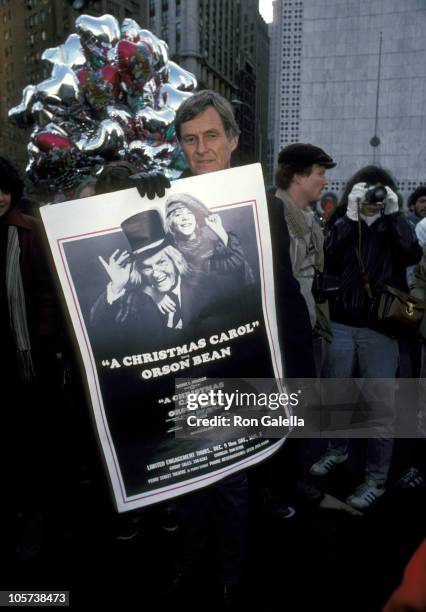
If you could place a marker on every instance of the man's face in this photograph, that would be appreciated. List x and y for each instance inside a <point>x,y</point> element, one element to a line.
<point>183,221</point>
<point>159,272</point>
<point>5,200</point>
<point>205,143</point>
<point>312,184</point>
<point>420,207</point>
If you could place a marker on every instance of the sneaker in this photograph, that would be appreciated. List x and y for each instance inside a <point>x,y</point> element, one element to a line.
<point>126,527</point>
<point>411,479</point>
<point>169,518</point>
<point>365,495</point>
<point>272,505</point>
<point>330,460</point>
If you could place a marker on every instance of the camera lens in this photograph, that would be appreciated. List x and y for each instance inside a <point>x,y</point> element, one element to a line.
<point>375,194</point>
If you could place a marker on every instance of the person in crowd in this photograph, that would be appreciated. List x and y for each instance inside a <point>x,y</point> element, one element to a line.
<point>416,212</point>
<point>300,179</point>
<point>411,348</point>
<point>417,205</point>
<point>369,244</point>
<point>30,342</point>
<point>86,188</point>
<point>115,176</point>
<point>414,476</point>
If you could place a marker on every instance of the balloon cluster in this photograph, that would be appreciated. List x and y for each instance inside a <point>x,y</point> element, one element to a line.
<point>113,94</point>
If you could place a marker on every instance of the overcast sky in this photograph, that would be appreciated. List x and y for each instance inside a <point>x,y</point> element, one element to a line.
<point>265,8</point>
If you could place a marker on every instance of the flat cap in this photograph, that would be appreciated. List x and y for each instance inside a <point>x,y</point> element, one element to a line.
<point>300,155</point>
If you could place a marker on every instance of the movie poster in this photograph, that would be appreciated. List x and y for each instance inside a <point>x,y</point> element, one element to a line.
<point>166,297</point>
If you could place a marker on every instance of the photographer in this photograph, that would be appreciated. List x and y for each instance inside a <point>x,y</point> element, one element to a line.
<point>369,244</point>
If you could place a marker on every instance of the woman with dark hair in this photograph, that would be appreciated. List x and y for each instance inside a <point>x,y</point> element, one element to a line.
<point>30,333</point>
<point>26,298</point>
<point>369,245</point>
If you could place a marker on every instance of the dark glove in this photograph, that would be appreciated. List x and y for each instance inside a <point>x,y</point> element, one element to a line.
<point>150,184</point>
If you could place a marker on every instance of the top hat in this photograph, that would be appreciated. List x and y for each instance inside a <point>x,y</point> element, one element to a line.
<point>145,232</point>
<point>300,155</point>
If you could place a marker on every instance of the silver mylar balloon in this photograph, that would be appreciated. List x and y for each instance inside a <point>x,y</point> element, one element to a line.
<point>74,131</point>
<point>180,78</point>
<point>70,53</point>
<point>97,35</point>
<point>20,115</point>
<point>169,96</point>
<point>33,150</point>
<point>42,116</point>
<point>156,157</point>
<point>171,173</point>
<point>164,48</point>
<point>137,145</point>
<point>62,87</point>
<point>156,125</point>
<point>130,30</point>
<point>160,51</point>
<point>52,128</point>
<point>109,138</point>
<point>162,150</point>
<point>123,117</point>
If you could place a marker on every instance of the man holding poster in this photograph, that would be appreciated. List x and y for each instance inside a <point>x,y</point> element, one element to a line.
<point>208,134</point>
<point>145,319</point>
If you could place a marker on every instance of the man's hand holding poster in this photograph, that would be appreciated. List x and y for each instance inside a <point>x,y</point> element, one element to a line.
<point>170,299</point>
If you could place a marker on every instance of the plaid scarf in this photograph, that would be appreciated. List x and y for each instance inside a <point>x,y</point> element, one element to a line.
<point>16,302</point>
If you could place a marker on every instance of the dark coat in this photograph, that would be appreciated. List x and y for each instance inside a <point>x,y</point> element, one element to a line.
<point>388,246</point>
<point>294,326</point>
<point>43,313</point>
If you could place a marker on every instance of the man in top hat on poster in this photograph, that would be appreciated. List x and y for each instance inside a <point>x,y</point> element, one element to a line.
<point>131,311</point>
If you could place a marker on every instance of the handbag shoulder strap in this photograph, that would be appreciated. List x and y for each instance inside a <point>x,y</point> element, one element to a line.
<point>365,279</point>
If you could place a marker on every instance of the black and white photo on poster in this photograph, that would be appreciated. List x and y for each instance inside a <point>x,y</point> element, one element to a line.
<point>159,291</point>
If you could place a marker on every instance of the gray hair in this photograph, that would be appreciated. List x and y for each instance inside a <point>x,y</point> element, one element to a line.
<point>198,103</point>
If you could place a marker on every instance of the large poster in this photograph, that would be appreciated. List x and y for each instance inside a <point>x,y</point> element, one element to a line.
<point>169,297</point>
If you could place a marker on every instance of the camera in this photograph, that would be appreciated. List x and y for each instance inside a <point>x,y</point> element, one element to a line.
<point>375,195</point>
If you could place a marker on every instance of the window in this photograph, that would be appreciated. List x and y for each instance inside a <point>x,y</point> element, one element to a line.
<point>178,36</point>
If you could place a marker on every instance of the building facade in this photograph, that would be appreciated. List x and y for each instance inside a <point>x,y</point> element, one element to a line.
<point>225,43</point>
<point>335,84</point>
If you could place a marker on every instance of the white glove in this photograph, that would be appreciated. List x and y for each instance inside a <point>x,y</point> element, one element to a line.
<point>355,197</point>
<point>391,203</point>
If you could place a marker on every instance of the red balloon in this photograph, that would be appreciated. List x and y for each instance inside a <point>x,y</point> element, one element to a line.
<point>111,75</point>
<point>102,86</point>
<point>135,63</point>
<point>46,141</point>
<point>82,75</point>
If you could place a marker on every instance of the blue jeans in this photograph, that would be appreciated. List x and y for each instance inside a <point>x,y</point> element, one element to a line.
<point>376,357</point>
